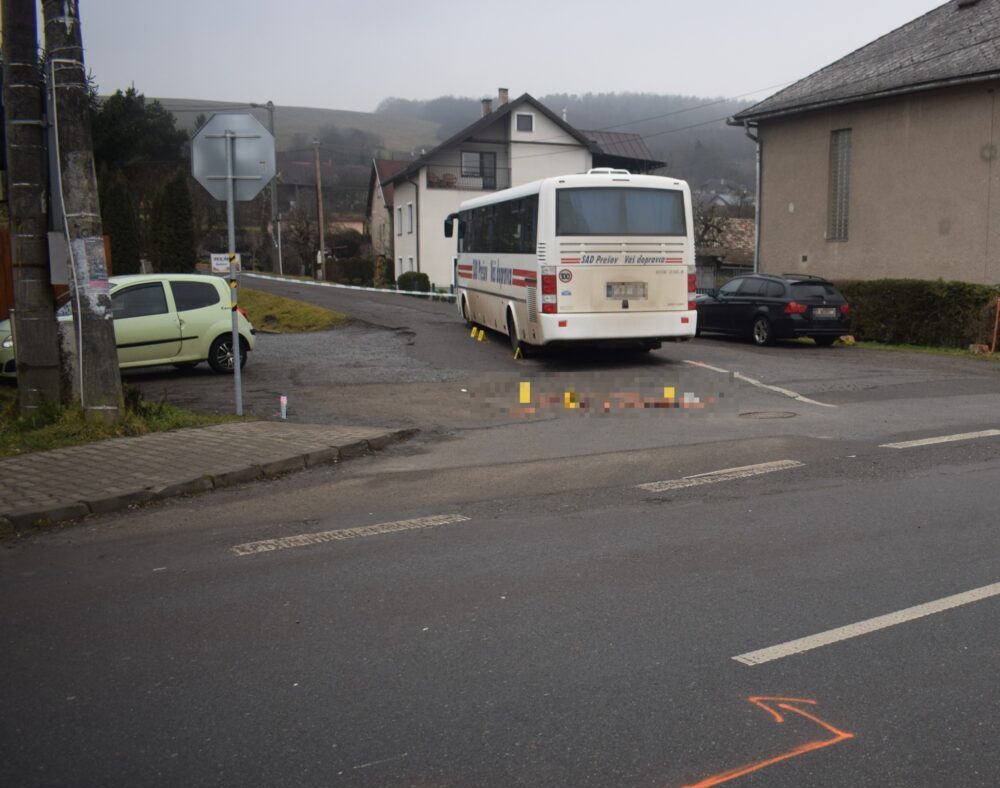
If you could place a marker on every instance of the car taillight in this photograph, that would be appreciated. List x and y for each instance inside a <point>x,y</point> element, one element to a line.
<point>243,312</point>
<point>692,288</point>
<point>845,309</point>
<point>549,305</point>
<point>795,308</point>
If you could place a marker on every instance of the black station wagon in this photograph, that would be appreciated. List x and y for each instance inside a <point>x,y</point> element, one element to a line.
<point>765,307</point>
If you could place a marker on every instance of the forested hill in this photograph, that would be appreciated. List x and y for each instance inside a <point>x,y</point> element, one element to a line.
<point>687,132</point>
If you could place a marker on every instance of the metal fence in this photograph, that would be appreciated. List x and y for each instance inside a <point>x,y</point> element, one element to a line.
<point>468,178</point>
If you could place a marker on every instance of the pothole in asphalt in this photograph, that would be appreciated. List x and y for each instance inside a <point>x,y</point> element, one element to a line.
<point>768,414</point>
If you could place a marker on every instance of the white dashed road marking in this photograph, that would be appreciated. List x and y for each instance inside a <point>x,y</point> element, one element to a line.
<point>725,475</point>
<point>305,540</point>
<point>865,627</point>
<point>964,436</point>
<point>754,382</point>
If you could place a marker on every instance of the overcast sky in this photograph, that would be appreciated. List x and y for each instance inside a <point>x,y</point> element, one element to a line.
<point>351,55</point>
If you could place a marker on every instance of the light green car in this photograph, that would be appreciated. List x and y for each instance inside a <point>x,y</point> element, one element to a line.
<point>179,319</point>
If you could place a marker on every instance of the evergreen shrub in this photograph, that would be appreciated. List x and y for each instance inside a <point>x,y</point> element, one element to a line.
<point>920,312</point>
<point>414,281</point>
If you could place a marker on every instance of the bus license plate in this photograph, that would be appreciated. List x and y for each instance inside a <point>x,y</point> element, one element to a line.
<point>824,312</point>
<point>626,289</point>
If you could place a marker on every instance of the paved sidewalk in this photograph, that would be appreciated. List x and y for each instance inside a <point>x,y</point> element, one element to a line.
<point>106,476</point>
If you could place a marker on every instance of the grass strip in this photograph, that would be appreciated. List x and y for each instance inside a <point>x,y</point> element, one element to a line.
<point>56,426</point>
<point>286,315</point>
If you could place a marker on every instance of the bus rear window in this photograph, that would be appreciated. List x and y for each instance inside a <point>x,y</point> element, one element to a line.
<point>620,211</point>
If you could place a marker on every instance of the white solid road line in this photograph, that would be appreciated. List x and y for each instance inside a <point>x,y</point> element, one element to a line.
<point>865,627</point>
<point>304,540</point>
<point>964,436</point>
<point>754,382</point>
<point>724,475</point>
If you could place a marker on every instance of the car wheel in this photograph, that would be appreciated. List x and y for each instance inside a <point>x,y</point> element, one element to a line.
<point>824,341</point>
<point>761,332</point>
<point>220,355</point>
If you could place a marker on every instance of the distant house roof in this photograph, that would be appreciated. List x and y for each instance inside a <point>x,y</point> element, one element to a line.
<point>487,121</point>
<point>382,170</point>
<point>621,147</point>
<point>955,43</point>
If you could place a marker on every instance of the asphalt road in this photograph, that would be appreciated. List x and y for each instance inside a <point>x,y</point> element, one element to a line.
<point>561,625</point>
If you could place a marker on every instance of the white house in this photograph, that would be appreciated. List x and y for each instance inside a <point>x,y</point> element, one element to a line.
<point>518,142</point>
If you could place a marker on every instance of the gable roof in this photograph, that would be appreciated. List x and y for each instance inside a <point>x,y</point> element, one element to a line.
<point>382,170</point>
<point>488,120</point>
<point>622,146</point>
<point>956,43</point>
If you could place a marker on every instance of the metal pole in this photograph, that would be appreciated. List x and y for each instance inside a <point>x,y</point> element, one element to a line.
<point>233,279</point>
<point>319,208</point>
<point>280,269</point>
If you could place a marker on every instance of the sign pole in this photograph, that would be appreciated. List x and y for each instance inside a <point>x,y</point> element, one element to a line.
<point>234,284</point>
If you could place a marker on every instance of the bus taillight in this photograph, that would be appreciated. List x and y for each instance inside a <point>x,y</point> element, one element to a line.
<point>692,288</point>
<point>549,305</point>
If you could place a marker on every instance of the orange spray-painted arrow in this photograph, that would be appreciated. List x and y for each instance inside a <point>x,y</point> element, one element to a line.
<point>772,706</point>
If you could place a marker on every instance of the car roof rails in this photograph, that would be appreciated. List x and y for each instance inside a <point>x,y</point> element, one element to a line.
<point>804,276</point>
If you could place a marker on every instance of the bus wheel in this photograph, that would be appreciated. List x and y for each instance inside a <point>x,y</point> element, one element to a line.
<point>465,312</point>
<point>515,343</point>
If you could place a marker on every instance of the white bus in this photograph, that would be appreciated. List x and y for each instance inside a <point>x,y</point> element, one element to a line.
<point>603,258</point>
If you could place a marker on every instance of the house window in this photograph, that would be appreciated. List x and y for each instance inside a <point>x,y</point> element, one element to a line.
<point>409,217</point>
<point>840,185</point>
<point>525,122</point>
<point>399,266</point>
<point>480,164</point>
<point>399,220</point>
<point>409,261</point>
<point>470,164</point>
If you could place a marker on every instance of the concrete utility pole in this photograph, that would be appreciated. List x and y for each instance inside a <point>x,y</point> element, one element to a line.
<point>319,208</point>
<point>36,333</point>
<point>98,378</point>
<point>275,218</point>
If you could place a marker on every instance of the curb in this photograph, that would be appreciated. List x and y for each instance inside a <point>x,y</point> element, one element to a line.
<point>13,522</point>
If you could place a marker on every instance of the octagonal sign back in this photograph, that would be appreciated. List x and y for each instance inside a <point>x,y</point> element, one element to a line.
<point>253,155</point>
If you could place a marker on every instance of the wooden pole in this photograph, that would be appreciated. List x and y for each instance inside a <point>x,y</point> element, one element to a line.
<point>36,334</point>
<point>98,378</point>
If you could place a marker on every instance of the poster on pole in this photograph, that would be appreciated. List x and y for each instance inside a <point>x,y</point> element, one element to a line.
<point>220,264</point>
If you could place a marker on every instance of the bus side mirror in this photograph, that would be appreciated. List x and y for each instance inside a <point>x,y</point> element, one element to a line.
<point>448,224</point>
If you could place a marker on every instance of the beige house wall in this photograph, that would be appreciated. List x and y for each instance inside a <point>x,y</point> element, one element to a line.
<point>924,189</point>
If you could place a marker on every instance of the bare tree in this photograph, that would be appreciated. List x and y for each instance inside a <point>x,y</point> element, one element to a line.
<point>98,379</point>
<point>35,329</point>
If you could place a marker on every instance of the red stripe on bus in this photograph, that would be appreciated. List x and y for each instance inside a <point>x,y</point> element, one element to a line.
<point>524,272</point>
<point>518,282</point>
<point>570,260</point>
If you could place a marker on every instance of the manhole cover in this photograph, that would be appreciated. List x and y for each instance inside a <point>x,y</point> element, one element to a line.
<point>768,414</point>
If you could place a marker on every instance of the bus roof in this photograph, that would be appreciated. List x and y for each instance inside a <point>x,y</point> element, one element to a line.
<point>599,177</point>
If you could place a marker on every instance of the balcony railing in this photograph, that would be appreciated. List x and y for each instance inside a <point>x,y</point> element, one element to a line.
<point>467,179</point>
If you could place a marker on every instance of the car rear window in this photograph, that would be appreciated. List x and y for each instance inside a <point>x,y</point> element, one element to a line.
<point>807,289</point>
<point>194,295</point>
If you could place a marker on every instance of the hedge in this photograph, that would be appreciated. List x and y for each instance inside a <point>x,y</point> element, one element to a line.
<point>918,312</point>
<point>351,271</point>
<point>414,281</point>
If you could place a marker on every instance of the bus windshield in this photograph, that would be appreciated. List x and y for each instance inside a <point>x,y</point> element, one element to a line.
<point>620,211</point>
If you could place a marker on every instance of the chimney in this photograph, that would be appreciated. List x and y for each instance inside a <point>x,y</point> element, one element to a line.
<point>487,107</point>
<point>504,96</point>
<point>564,115</point>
